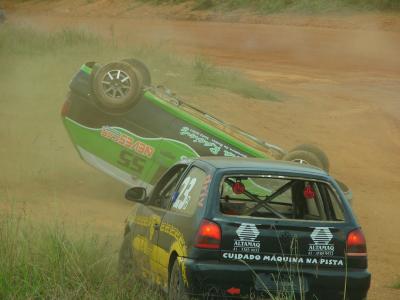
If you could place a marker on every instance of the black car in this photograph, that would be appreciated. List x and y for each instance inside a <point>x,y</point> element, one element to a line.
<point>246,227</point>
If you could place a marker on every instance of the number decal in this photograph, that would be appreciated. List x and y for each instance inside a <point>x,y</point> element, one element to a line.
<point>184,198</point>
<point>129,160</point>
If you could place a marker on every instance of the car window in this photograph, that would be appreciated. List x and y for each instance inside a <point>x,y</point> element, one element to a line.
<point>188,194</point>
<point>266,196</point>
<point>165,187</point>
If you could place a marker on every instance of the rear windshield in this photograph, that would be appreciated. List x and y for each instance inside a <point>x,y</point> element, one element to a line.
<point>279,197</point>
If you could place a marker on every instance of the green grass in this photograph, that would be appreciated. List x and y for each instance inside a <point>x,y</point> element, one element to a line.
<point>208,75</point>
<point>45,262</point>
<point>181,74</point>
<point>396,285</point>
<point>276,6</point>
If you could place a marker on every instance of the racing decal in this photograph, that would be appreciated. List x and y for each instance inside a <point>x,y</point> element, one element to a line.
<point>126,141</point>
<point>321,237</point>
<point>184,198</point>
<point>144,244</point>
<point>129,160</point>
<point>272,258</point>
<point>179,246</point>
<point>214,146</point>
<point>247,242</point>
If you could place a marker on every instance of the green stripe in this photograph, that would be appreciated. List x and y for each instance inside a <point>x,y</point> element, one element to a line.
<point>173,110</point>
<point>86,69</point>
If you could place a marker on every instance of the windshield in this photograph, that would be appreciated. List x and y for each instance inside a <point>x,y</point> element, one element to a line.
<point>280,197</point>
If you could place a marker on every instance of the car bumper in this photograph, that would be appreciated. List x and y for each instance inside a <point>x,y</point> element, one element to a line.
<point>227,279</point>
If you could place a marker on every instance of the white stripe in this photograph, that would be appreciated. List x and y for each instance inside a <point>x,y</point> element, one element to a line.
<point>111,170</point>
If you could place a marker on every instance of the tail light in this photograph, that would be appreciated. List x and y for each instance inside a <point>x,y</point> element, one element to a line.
<point>208,236</point>
<point>65,108</point>
<point>356,244</point>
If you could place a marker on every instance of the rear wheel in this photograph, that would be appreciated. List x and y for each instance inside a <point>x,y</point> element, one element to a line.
<point>117,86</point>
<point>176,286</point>
<point>323,158</point>
<point>303,157</point>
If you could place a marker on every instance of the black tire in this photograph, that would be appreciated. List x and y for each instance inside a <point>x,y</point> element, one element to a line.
<point>142,68</point>
<point>317,152</point>
<point>117,86</point>
<point>303,157</point>
<point>176,286</point>
<point>125,257</point>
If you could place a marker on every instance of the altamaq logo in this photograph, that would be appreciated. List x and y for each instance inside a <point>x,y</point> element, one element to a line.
<point>247,242</point>
<point>321,237</point>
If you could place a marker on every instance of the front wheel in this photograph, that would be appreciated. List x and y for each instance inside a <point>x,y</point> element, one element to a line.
<point>117,86</point>
<point>176,286</point>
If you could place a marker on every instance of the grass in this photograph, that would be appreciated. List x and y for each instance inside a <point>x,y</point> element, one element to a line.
<point>277,6</point>
<point>183,74</point>
<point>44,262</point>
<point>396,285</point>
<point>208,75</point>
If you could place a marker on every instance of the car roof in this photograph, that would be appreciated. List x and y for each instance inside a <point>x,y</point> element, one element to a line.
<point>262,164</point>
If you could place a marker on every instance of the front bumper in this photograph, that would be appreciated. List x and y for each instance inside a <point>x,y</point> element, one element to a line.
<point>226,279</point>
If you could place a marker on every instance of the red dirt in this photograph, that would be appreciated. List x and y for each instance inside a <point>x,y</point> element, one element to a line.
<point>342,78</point>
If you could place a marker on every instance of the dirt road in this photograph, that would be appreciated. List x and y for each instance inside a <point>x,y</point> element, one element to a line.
<point>342,91</point>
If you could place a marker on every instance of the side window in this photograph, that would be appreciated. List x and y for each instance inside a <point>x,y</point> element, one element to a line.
<point>165,187</point>
<point>188,194</point>
<point>337,209</point>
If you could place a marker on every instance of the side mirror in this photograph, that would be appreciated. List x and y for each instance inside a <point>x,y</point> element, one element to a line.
<point>136,194</point>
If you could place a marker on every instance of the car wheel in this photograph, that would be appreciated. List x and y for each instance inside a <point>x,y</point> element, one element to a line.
<point>303,157</point>
<point>142,68</point>
<point>117,86</point>
<point>317,152</point>
<point>176,286</point>
<point>125,257</point>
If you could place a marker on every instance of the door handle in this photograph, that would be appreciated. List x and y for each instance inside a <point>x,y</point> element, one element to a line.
<point>156,226</point>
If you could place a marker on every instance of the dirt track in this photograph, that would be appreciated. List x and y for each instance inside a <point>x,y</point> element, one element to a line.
<point>342,88</point>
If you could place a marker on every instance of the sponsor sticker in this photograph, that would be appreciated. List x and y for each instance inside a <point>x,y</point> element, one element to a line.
<point>215,147</point>
<point>126,141</point>
<point>272,258</point>
<point>321,237</point>
<point>247,242</point>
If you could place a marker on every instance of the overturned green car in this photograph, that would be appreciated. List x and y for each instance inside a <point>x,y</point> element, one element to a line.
<point>134,131</point>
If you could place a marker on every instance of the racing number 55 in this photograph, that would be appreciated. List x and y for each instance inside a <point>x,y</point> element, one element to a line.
<point>133,162</point>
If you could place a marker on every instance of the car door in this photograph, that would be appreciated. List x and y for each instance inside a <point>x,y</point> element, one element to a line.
<point>149,222</point>
<point>181,220</point>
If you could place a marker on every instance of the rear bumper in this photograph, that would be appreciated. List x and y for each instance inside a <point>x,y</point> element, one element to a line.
<point>204,276</point>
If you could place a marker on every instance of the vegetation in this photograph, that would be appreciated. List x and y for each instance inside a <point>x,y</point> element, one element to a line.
<point>396,285</point>
<point>274,6</point>
<point>44,262</point>
<point>182,74</point>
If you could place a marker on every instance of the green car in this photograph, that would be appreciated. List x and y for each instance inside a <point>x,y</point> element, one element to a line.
<point>134,131</point>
